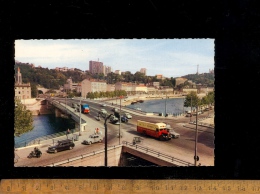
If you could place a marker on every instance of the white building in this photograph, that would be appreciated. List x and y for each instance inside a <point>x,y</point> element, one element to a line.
<point>131,87</point>
<point>118,72</point>
<point>92,85</point>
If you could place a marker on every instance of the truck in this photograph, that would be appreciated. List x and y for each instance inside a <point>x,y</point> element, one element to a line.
<point>157,130</point>
<point>85,108</point>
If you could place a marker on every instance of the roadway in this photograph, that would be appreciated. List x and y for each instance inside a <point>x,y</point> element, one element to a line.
<point>182,148</point>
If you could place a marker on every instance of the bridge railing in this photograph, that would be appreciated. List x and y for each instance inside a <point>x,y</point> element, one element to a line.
<point>64,107</point>
<point>159,154</point>
<point>39,140</point>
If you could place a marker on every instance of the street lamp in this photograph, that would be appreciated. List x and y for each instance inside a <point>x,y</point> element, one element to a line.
<point>79,117</point>
<point>190,107</point>
<point>66,104</point>
<point>105,124</point>
<point>120,118</point>
<point>196,157</point>
<point>165,104</point>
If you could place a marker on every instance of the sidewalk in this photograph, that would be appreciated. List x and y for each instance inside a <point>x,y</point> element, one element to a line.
<point>23,152</point>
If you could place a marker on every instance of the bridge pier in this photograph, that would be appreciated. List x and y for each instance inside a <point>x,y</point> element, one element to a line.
<point>57,112</point>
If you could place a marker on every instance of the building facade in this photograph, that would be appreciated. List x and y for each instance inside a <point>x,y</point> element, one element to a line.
<point>96,67</point>
<point>131,87</point>
<point>92,85</point>
<point>143,70</point>
<point>118,72</point>
<point>22,90</point>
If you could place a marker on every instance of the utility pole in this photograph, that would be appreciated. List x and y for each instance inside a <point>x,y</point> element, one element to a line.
<point>196,139</point>
<point>120,120</point>
<point>190,107</point>
<point>105,124</point>
<point>80,117</point>
<point>165,104</point>
<point>66,104</point>
<point>183,106</point>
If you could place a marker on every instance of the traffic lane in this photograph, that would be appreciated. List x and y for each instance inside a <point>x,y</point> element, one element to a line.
<point>50,158</point>
<point>186,140</point>
<point>182,148</point>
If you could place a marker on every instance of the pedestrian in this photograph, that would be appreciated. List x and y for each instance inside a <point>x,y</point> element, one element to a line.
<point>67,133</point>
<point>97,131</point>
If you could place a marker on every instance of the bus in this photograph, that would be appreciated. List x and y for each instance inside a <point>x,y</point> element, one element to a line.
<point>157,130</point>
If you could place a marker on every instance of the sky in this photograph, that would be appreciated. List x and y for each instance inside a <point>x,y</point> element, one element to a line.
<point>169,57</point>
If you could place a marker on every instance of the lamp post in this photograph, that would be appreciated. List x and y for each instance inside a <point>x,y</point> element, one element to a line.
<point>190,107</point>
<point>80,117</point>
<point>183,106</point>
<point>196,158</point>
<point>120,119</point>
<point>66,104</point>
<point>105,124</point>
<point>165,105</point>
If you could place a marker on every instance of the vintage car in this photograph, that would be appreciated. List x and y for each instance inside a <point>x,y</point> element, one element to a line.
<point>92,139</point>
<point>66,144</point>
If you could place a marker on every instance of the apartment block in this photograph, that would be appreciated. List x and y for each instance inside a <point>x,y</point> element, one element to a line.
<point>96,67</point>
<point>92,85</point>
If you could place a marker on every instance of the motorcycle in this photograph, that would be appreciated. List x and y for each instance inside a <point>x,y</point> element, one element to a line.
<point>36,153</point>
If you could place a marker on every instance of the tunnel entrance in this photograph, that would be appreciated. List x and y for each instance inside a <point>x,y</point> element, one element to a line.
<point>132,160</point>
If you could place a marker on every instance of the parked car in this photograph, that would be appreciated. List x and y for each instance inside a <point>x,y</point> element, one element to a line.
<point>103,105</point>
<point>61,145</point>
<point>92,139</point>
<point>127,115</point>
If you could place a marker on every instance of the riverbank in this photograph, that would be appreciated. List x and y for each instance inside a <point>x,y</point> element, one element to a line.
<point>131,99</point>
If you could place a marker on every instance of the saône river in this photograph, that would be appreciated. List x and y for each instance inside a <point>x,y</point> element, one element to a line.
<point>173,106</point>
<point>49,124</point>
<point>44,125</point>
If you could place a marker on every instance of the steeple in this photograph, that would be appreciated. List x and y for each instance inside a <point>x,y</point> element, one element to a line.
<point>18,76</point>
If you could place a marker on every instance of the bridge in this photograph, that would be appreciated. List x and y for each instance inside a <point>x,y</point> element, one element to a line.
<point>118,157</point>
<point>63,110</point>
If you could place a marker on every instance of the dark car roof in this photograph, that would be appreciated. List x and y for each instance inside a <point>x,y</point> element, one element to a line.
<point>65,141</point>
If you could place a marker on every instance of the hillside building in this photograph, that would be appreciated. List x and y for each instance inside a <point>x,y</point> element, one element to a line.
<point>96,67</point>
<point>143,70</point>
<point>92,85</point>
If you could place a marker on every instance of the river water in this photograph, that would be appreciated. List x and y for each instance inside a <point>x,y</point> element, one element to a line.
<point>44,125</point>
<point>171,106</point>
<point>49,124</point>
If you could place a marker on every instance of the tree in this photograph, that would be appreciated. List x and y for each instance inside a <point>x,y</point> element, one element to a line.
<point>34,91</point>
<point>23,121</point>
<point>192,100</point>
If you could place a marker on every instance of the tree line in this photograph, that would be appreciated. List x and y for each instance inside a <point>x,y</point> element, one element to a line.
<point>52,79</point>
